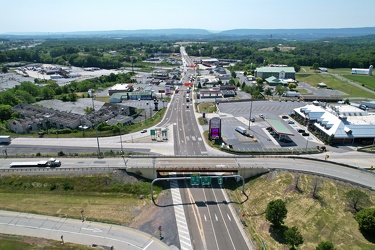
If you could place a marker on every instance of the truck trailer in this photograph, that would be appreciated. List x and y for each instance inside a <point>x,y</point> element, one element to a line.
<point>291,94</point>
<point>4,139</point>
<point>52,163</point>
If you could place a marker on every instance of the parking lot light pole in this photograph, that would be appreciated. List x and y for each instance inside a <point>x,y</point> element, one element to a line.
<point>251,107</point>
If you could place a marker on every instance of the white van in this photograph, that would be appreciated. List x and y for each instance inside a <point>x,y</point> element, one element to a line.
<point>241,130</point>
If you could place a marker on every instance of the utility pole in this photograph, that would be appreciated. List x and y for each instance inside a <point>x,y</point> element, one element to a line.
<point>97,136</point>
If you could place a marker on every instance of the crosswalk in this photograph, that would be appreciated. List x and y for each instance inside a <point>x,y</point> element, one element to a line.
<point>182,227</point>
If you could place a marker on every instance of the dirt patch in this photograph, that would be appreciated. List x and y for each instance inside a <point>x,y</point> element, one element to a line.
<point>152,216</point>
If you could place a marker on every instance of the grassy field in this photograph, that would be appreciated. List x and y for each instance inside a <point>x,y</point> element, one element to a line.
<point>207,107</point>
<point>367,81</point>
<point>106,198</point>
<point>335,83</point>
<point>20,242</point>
<point>323,219</point>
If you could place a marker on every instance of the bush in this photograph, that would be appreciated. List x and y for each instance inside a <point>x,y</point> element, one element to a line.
<point>325,245</point>
<point>68,186</point>
<point>276,212</point>
<point>366,220</point>
<point>53,187</point>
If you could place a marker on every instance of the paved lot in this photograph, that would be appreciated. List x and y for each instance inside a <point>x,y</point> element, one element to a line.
<point>237,114</point>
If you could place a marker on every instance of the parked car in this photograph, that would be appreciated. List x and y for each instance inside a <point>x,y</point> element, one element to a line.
<point>285,117</point>
<point>144,131</point>
<point>261,116</point>
<point>252,119</point>
<point>300,130</point>
<point>305,134</point>
<point>290,122</point>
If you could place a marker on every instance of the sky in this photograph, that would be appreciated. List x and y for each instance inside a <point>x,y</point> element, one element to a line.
<point>219,15</point>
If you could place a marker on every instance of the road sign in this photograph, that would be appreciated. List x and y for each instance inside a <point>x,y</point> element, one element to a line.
<point>206,180</point>
<point>220,180</point>
<point>195,179</point>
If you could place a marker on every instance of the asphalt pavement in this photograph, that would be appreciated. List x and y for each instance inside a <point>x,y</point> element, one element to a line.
<point>87,233</point>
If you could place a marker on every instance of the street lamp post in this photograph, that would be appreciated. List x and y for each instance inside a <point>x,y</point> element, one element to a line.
<point>97,137</point>
<point>251,107</point>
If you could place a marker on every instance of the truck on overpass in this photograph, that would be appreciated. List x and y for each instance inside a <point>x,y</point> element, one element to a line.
<point>52,163</point>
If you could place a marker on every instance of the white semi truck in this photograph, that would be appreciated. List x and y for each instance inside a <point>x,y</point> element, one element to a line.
<point>52,163</point>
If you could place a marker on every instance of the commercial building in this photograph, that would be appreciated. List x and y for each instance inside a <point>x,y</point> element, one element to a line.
<point>345,124</point>
<point>121,87</point>
<point>278,72</point>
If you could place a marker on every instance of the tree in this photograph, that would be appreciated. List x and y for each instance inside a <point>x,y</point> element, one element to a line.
<point>297,68</point>
<point>199,85</point>
<point>4,69</point>
<point>292,85</point>
<point>276,212</point>
<point>243,85</point>
<point>293,237</point>
<point>259,80</point>
<point>357,199</point>
<point>366,220</point>
<point>280,89</point>
<point>5,112</point>
<point>325,245</point>
<point>268,91</point>
<point>315,66</point>
<point>234,75</point>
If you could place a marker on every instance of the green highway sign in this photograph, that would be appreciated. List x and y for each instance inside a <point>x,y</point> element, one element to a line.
<point>220,180</point>
<point>206,180</point>
<point>195,179</point>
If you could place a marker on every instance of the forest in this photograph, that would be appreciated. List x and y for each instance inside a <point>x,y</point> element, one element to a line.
<point>351,52</point>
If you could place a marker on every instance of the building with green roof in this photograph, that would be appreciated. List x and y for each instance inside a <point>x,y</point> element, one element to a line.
<point>278,72</point>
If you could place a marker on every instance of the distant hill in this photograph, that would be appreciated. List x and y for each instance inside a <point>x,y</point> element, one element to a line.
<point>299,34</point>
<point>169,34</point>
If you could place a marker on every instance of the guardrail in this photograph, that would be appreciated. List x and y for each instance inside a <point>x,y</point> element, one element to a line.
<point>97,169</point>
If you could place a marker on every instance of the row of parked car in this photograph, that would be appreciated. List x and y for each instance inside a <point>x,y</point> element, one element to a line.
<point>299,130</point>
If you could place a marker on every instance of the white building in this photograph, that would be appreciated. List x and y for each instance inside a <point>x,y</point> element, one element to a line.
<point>347,124</point>
<point>363,71</point>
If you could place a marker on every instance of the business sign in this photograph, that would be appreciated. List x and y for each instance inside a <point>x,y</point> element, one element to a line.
<point>214,128</point>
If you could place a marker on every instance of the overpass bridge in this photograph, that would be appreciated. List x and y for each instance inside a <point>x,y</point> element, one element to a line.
<point>156,167</point>
<point>152,167</point>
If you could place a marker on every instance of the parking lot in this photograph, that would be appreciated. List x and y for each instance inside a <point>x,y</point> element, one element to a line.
<point>238,113</point>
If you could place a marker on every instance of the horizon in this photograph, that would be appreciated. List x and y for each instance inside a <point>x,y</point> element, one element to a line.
<point>42,16</point>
